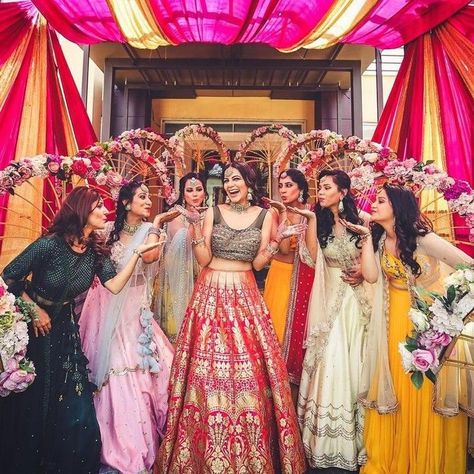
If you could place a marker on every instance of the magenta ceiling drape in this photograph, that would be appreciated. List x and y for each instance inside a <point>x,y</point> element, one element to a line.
<point>281,24</point>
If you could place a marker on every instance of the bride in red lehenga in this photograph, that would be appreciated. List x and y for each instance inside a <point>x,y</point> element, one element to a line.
<point>230,408</point>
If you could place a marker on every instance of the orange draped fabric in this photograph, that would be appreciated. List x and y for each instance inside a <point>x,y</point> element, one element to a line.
<point>35,68</point>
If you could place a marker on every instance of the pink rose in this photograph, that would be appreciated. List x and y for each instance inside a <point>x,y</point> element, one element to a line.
<point>423,359</point>
<point>6,182</point>
<point>9,385</point>
<point>384,152</point>
<point>25,172</point>
<point>53,167</point>
<point>101,179</point>
<point>430,169</point>
<point>4,376</point>
<point>2,291</point>
<point>12,365</point>
<point>19,376</point>
<point>432,339</point>
<point>114,179</point>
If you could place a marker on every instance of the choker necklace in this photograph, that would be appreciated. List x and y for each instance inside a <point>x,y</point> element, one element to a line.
<point>131,229</point>
<point>239,208</point>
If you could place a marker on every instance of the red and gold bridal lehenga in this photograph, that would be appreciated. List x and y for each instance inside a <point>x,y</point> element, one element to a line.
<point>230,408</point>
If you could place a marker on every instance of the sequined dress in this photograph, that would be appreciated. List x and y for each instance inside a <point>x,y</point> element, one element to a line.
<point>230,408</point>
<point>52,426</point>
<point>330,418</point>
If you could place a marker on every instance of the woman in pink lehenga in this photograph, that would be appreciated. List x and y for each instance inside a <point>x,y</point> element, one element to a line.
<point>230,408</point>
<point>130,357</point>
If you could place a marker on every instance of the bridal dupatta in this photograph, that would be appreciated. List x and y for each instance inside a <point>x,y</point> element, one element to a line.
<point>454,389</point>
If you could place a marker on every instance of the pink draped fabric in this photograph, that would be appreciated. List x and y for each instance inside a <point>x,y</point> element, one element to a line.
<point>83,130</point>
<point>11,111</point>
<point>456,106</point>
<point>457,113</point>
<point>278,23</point>
<point>81,21</point>
<point>391,24</point>
<point>10,118</point>
<point>401,123</point>
<point>15,20</point>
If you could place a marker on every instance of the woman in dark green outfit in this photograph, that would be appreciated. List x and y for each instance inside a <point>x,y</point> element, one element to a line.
<point>52,427</point>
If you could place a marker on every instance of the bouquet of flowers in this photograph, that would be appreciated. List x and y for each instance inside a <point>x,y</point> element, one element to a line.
<point>437,320</point>
<point>16,372</point>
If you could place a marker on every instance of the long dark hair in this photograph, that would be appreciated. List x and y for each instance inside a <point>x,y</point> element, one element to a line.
<point>127,191</point>
<point>409,224</point>
<point>70,220</point>
<point>250,177</point>
<point>182,184</point>
<point>325,215</point>
<point>297,177</point>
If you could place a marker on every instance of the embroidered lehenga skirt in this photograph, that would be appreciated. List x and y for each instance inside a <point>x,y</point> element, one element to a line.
<point>230,408</point>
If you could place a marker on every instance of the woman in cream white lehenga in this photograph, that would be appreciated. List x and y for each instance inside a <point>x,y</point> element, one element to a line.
<point>330,418</point>
<point>178,268</point>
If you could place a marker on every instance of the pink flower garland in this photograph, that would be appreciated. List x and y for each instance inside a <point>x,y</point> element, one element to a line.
<point>200,129</point>
<point>93,164</point>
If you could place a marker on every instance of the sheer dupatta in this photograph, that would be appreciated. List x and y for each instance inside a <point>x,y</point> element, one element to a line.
<point>455,386</point>
<point>175,281</point>
<point>142,276</point>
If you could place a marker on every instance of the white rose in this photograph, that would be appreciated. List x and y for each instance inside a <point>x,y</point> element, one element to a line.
<point>419,319</point>
<point>469,275</point>
<point>407,358</point>
<point>101,179</point>
<point>442,321</point>
<point>456,279</point>
<point>371,157</point>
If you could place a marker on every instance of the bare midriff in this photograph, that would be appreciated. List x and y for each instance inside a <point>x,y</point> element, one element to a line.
<point>224,264</point>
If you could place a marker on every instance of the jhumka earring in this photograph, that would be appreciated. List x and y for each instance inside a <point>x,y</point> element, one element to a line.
<point>250,195</point>
<point>227,199</point>
<point>128,207</point>
<point>300,197</point>
<point>340,208</point>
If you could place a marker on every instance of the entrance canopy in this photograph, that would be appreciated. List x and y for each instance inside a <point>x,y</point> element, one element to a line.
<point>282,24</point>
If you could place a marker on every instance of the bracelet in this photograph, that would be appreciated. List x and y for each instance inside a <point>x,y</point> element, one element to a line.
<point>136,252</point>
<point>272,250</point>
<point>154,231</point>
<point>28,309</point>
<point>198,241</point>
<point>365,237</point>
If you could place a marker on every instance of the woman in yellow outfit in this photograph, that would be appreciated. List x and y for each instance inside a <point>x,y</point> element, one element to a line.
<point>293,189</point>
<point>403,433</point>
